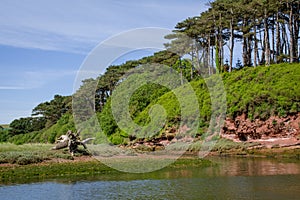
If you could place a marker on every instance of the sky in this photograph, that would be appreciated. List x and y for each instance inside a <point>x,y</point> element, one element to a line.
<point>44,43</point>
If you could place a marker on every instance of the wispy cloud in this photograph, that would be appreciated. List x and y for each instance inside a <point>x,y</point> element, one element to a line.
<point>11,88</point>
<point>35,79</point>
<point>37,39</point>
<point>76,26</point>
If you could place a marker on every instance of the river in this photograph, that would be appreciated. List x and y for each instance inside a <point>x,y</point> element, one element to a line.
<point>231,178</point>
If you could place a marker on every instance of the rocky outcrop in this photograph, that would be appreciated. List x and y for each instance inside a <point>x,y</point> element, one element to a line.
<point>243,129</point>
<point>273,132</point>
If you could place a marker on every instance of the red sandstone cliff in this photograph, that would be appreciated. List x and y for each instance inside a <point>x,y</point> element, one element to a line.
<point>243,129</point>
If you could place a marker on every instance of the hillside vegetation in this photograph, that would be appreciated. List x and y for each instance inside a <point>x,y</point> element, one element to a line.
<point>258,92</point>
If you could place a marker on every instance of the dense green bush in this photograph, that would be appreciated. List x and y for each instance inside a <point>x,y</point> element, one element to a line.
<point>257,92</point>
<point>27,125</point>
<point>139,101</point>
<point>65,123</point>
<point>49,135</point>
<point>4,135</point>
<point>263,91</point>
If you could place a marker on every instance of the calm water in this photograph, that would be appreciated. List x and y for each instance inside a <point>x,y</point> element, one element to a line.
<point>233,178</point>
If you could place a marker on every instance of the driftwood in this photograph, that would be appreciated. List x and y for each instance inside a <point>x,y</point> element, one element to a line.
<point>70,140</point>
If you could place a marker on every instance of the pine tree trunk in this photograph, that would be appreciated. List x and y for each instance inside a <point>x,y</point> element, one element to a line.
<point>255,45</point>
<point>245,48</point>
<point>181,72</point>
<point>278,41</point>
<point>273,41</point>
<point>212,59</point>
<point>208,56</point>
<point>262,60</point>
<point>291,30</point>
<point>267,42</point>
<point>296,31</point>
<point>194,51</point>
<point>217,55</point>
<point>285,45</point>
<point>205,58</point>
<point>220,43</point>
<point>249,51</point>
<point>231,43</point>
<point>198,58</point>
<point>221,53</point>
<point>193,60</point>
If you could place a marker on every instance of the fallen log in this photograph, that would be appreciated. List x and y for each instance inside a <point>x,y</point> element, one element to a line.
<point>60,145</point>
<point>72,141</point>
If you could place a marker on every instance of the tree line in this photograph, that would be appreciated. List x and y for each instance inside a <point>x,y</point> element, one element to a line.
<point>268,31</point>
<point>44,115</point>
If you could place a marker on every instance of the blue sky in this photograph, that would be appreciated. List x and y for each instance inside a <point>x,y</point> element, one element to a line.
<point>43,43</point>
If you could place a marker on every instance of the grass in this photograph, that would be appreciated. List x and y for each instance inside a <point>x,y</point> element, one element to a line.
<point>28,162</point>
<point>54,170</point>
<point>282,153</point>
<point>77,170</point>
<point>8,147</point>
<point>28,166</point>
<point>224,145</point>
<point>30,153</point>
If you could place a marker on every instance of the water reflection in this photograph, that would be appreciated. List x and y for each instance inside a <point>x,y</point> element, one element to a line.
<point>232,178</point>
<point>229,166</point>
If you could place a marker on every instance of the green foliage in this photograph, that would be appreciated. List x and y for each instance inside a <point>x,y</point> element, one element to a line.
<point>23,138</point>
<point>64,124</point>
<point>54,109</point>
<point>37,129</point>
<point>49,135</point>
<point>257,92</point>
<point>27,125</point>
<point>116,139</point>
<point>139,101</point>
<point>263,91</point>
<point>107,82</point>
<point>144,96</point>
<point>4,135</point>
<point>107,122</point>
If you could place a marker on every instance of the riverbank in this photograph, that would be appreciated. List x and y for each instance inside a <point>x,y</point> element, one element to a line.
<point>281,147</point>
<point>12,154</point>
<point>36,162</point>
<point>23,163</point>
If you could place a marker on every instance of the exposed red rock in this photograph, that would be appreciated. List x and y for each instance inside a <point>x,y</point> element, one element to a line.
<point>244,129</point>
<point>273,132</point>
